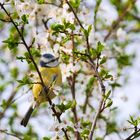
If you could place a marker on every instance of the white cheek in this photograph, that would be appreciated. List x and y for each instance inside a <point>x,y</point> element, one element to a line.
<point>53,64</point>
<point>44,60</point>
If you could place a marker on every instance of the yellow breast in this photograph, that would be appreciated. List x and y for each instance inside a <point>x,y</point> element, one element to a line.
<point>48,75</point>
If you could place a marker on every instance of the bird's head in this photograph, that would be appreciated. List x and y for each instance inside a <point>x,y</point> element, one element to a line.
<point>48,60</point>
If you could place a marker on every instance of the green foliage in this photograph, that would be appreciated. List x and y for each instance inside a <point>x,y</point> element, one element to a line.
<point>81,55</point>
<point>90,85</point>
<point>46,138</point>
<point>134,122</point>
<point>108,100</point>
<point>85,123</point>
<point>87,32</point>
<point>105,74</point>
<point>34,52</point>
<point>25,19</point>
<point>85,133</point>
<point>115,85</point>
<point>111,127</point>
<point>26,80</point>
<point>14,72</point>
<point>65,58</point>
<point>99,138</point>
<point>136,135</point>
<point>62,28</point>
<point>11,42</point>
<point>41,1</point>
<point>75,3</point>
<point>30,134</point>
<point>100,48</point>
<point>2,87</point>
<point>4,104</point>
<point>124,60</point>
<point>69,105</point>
<point>103,60</point>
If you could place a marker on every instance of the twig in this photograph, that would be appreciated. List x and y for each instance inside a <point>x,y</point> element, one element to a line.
<point>72,84</point>
<point>75,14</point>
<point>132,135</point>
<point>95,13</point>
<point>9,101</point>
<point>10,134</point>
<point>50,3</point>
<point>4,20</point>
<point>87,101</point>
<point>120,18</point>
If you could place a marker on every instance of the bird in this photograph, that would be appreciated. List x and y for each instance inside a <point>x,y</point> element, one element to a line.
<point>51,74</point>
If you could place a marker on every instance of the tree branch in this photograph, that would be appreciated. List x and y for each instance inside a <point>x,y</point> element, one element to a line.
<point>10,134</point>
<point>95,13</point>
<point>115,24</point>
<point>72,85</point>
<point>132,135</point>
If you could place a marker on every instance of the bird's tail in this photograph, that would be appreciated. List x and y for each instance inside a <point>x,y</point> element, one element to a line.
<point>27,116</point>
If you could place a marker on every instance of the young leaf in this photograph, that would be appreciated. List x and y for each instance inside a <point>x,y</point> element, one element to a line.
<point>41,1</point>
<point>103,60</point>
<point>100,47</point>
<point>24,19</point>
<point>75,3</point>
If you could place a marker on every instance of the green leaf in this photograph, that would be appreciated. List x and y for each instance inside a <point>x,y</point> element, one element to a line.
<point>80,55</point>
<point>57,27</point>
<point>68,25</point>
<point>103,60</point>
<point>115,84</point>
<point>2,87</point>
<point>46,138</point>
<point>105,74</point>
<point>110,102</point>
<point>111,127</point>
<point>75,3</point>
<point>124,60</point>
<point>90,85</point>
<point>4,104</point>
<point>21,58</point>
<point>35,52</point>
<point>107,94</point>
<point>99,138</point>
<point>93,53</point>
<point>89,29</point>
<point>86,123</point>
<point>25,19</point>
<point>85,133</point>
<point>133,121</point>
<point>11,42</point>
<point>69,128</point>
<point>41,1</point>
<point>65,58</point>
<point>63,107</point>
<point>136,135</point>
<point>100,47</point>
<point>26,80</point>
<point>70,104</point>
<point>14,72</point>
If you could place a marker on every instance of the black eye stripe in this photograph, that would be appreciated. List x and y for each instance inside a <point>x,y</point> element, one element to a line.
<point>52,60</point>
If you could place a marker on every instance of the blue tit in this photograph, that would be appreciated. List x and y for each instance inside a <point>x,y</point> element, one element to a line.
<point>51,75</point>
